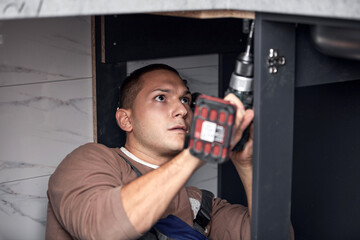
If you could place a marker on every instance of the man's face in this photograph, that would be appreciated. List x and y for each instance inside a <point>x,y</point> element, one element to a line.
<point>161,113</point>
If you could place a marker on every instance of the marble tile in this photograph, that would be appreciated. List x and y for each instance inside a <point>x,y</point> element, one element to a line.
<point>205,178</point>
<point>202,75</point>
<point>23,207</point>
<point>202,79</point>
<point>46,111</point>
<point>41,124</point>
<point>41,50</point>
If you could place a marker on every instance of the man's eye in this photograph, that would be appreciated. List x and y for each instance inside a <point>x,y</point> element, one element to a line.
<point>185,100</point>
<point>160,98</point>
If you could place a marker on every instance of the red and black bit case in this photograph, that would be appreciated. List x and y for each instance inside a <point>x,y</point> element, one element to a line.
<point>212,129</point>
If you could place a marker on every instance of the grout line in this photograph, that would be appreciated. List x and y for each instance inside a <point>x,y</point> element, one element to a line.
<point>23,179</point>
<point>53,81</point>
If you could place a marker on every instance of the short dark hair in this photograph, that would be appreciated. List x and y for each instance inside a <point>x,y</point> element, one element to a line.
<point>132,84</point>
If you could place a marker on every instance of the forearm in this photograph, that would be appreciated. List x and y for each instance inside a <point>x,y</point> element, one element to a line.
<point>246,175</point>
<point>146,198</point>
<point>243,159</point>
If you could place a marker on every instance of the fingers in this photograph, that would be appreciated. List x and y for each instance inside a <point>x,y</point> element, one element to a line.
<point>248,117</point>
<point>243,117</point>
<point>234,100</point>
<point>240,112</point>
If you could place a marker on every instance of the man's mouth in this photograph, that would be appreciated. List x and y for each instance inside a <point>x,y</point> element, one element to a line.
<point>179,128</point>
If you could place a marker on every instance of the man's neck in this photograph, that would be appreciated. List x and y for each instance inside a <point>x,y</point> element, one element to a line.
<point>149,156</point>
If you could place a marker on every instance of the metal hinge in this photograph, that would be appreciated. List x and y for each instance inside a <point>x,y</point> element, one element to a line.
<point>274,61</point>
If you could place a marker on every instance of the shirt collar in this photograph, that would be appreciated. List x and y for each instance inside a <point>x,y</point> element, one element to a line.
<point>136,159</point>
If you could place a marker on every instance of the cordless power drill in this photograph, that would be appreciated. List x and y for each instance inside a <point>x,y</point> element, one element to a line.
<point>213,122</point>
<point>241,83</point>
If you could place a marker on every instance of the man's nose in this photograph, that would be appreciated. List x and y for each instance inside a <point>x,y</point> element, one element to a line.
<point>179,110</point>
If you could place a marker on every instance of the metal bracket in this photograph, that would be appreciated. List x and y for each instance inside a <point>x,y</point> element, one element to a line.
<point>274,61</point>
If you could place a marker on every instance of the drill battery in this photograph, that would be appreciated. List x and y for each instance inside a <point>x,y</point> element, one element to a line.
<point>212,129</point>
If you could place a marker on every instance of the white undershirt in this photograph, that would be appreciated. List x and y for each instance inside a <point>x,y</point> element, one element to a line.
<point>136,159</point>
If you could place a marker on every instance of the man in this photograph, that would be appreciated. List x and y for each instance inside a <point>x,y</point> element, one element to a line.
<point>95,192</point>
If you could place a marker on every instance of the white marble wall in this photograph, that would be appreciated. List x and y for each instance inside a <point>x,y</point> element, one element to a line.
<point>45,112</point>
<point>202,75</point>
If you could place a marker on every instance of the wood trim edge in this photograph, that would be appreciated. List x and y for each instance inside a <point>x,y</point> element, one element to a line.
<point>103,59</point>
<point>93,63</point>
<point>205,14</point>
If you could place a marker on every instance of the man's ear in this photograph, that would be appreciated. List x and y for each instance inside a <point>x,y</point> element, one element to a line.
<point>123,118</point>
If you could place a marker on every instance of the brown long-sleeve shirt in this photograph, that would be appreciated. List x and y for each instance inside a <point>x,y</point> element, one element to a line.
<point>85,200</point>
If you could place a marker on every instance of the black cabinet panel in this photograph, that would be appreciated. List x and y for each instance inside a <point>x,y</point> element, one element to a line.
<point>326,162</point>
<point>273,130</point>
<point>142,36</point>
<point>108,80</point>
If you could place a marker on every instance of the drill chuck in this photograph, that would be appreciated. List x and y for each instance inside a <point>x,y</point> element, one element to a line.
<point>241,82</point>
<point>244,65</point>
